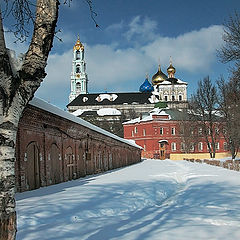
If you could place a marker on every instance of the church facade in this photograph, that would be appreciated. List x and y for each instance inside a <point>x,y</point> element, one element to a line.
<point>104,108</point>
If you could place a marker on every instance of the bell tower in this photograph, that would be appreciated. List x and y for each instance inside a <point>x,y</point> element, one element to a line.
<point>79,79</point>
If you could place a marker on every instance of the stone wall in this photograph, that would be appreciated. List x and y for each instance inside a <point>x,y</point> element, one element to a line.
<point>229,164</point>
<point>52,149</point>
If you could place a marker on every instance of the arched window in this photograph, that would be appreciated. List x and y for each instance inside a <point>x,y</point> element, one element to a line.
<point>180,97</point>
<point>78,87</point>
<point>78,69</point>
<point>77,55</point>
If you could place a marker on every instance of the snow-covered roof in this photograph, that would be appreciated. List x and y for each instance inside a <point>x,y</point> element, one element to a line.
<point>39,103</point>
<point>172,114</point>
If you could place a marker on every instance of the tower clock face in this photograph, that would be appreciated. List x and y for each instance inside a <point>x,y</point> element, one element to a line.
<point>78,75</point>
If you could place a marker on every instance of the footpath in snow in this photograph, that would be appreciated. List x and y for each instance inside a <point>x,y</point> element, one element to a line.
<point>169,200</point>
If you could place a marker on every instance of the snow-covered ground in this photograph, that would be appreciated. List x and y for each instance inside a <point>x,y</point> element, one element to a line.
<point>151,200</point>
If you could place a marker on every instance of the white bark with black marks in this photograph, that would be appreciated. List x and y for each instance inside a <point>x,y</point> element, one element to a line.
<point>18,83</point>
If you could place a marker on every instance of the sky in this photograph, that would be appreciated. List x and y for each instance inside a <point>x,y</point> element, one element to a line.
<point>133,38</point>
<point>152,200</point>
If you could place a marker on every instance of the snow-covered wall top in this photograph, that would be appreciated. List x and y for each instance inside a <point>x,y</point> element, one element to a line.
<point>39,103</point>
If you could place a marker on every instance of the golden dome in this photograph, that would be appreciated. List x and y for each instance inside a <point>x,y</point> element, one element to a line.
<point>78,45</point>
<point>158,77</point>
<point>171,69</point>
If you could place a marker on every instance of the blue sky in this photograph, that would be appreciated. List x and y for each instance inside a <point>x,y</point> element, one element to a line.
<point>132,37</point>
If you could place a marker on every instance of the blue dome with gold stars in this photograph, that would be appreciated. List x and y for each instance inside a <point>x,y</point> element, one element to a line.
<point>146,86</point>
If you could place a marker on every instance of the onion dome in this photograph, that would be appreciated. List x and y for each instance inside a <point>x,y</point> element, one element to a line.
<point>78,45</point>
<point>146,86</point>
<point>158,77</point>
<point>171,71</point>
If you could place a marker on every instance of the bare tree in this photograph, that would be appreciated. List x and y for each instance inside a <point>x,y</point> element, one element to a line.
<point>230,51</point>
<point>229,92</point>
<point>203,107</point>
<point>188,129</point>
<point>229,106</point>
<point>18,82</point>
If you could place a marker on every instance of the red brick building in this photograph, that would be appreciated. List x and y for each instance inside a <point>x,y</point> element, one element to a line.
<point>54,146</point>
<point>159,136</point>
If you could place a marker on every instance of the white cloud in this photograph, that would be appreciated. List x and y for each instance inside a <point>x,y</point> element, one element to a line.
<point>56,86</point>
<point>109,66</point>
<point>143,29</point>
<point>193,51</point>
<point>115,26</point>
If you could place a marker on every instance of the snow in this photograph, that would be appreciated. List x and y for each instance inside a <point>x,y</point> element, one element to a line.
<point>166,141</point>
<point>154,112</point>
<point>37,102</point>
<point>79,112</point>
<point>108,112</point>
<point>110,97</point>
<point>152,200</point>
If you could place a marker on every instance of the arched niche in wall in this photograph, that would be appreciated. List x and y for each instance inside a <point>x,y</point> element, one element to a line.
<point>55,164</point>
<point>70,163</point>
<point>32,159</point>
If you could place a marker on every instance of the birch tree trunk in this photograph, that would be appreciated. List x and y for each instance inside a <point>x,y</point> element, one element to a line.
<point>18,84</point>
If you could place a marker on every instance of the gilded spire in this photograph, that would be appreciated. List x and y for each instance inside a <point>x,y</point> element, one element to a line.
<point>78,44</point>
<point>171,70</point>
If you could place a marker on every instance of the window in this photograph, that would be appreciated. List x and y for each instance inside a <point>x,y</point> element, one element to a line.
<point>200,146</point>
<point>182,146</point>
<point>192,147</point>
<point>200,131</point>
<point>174,146</point>
<point>166,98</point>
<point>77,55</point>
<point>192,131</point>
<point>217,146</point>
<point>144,132</point>
<point>225,146</point>
<point>78,87</point>
<point>161,131</point>
<point>216,130</point>
<point>173,131</point>
<point>78,69</point>
<point>180,97</point>
<point>173,98</point>
<point>135,130</point>
<point>209,131</point>
<point>209,145</point>
<point>224,131</point>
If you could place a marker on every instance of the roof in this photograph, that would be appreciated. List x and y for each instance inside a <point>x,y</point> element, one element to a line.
<point>39,103</point>
<point>111,99</point>
<point>173,114</point>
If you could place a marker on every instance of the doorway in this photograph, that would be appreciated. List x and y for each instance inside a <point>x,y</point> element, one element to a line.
<point>162,149</point>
